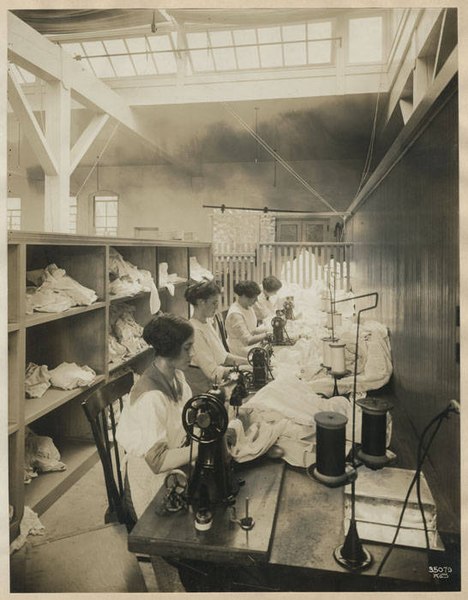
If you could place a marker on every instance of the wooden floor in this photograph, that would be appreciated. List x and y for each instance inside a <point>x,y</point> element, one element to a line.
<point>78,552</point>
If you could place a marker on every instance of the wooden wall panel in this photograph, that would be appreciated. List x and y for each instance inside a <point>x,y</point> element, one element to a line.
<point>406,236</point>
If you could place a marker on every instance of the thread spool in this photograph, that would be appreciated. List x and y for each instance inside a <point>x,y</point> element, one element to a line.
<point>335,317</point>
<point>337,357</point>
<point>326,351</point>
<point>330,449</point>
<point>325,301</point>
<point>373,451</point>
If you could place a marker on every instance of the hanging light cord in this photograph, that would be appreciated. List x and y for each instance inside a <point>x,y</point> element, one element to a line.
<point>98,158</point>
<point>278,158</point>
<point>438,419</point>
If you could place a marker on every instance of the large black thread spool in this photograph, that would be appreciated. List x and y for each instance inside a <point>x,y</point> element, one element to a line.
<point>373,451</point>
<point>330,449</point>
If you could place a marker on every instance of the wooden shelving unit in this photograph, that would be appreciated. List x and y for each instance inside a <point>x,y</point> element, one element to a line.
<point>79,335</point>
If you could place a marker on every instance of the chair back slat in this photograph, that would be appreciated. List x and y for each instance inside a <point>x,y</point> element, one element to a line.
<point>99,410</point>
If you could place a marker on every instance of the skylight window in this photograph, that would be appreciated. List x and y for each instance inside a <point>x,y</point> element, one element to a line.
<point>269,47</point>
<point>365,42</point>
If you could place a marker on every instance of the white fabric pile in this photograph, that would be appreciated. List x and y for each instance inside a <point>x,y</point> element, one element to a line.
<point>127,333</point>
<point>40,456</point>
<point>197,272</point>
<point>66,376</point>
<point>30,525</point>
<point>55,291</point>
<point>168,280</point>
<point>127,280</point>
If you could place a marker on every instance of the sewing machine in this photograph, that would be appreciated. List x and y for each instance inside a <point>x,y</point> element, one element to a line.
<point>280,336</point>
<point>212,481</point>
<point>259,358</point>
<point>288,307</point>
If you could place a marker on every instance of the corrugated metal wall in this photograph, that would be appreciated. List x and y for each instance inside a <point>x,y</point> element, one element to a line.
<point>406,237</point>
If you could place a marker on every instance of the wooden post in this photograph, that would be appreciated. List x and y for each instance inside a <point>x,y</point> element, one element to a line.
<point>57,133</point>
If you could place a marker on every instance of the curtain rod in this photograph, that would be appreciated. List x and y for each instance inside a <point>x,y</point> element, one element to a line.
<point>266,210</point>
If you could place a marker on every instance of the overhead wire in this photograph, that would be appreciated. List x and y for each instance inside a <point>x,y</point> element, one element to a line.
<point>278,157</point>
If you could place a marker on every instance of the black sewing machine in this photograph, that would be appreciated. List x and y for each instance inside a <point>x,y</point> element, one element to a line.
<point>288,308</point>
<point>280,336</point>
<point>259,358</point>
<point>212,481</point>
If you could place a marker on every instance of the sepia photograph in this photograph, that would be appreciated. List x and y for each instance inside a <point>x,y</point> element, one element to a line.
<point>231,338</point>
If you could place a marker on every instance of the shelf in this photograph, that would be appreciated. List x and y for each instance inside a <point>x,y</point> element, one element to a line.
<point>12,428</point>
<point>52,399</point>
<point>125,298</point>
<point>128,361</point>
<point>176,284</point>
<point>13,327</point>
<point>40,318</point>
<point>46,488</point>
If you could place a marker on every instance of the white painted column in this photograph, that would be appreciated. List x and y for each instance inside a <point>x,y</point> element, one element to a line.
<point>57,133</point>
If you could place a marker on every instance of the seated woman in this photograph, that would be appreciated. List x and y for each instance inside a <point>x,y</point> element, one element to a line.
<point>150,427</point>
<point>241,321</point>
<point>268,301</point>
<point>211,362</point>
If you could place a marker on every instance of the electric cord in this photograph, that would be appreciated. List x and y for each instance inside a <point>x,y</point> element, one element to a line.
<point>438,419</point>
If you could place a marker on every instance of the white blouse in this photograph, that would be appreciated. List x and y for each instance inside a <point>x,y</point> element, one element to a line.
<point>152,418</point>
<point>241,325</point>
<point>209,353</point>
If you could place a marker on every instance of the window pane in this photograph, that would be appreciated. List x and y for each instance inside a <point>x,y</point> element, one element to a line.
<point>136,44</point>
<point>245,36</point>
<point>292,33</point>
<point>115,46</point>
<point>159,42</point>
<point>220,38</point>
<point>111,208</point>
<point>295,54</point>
<point>248,58</point>
<point>102,67</point>
<point>111,222</point>
<point>73,49</point>
<point>202,60</point>
<point>166,63</point>
<point>14,203</point>
<point>143,64</point>
<point>100,221</point>
<point>123,66</point>
<point>92,48</point>
<point>224,59</point>
<point>271,56</point>
<point>100,209</point>
<point>197,40</point>
<point>319,52</point>
<point>365,40</point>
<point>317,31</point>
<point>269,34</point>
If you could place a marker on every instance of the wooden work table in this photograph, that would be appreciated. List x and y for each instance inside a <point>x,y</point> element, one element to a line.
<point>308,526</point>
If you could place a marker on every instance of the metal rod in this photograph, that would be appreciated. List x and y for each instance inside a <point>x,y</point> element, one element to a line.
<point>224,47</point>
<point>282,210</point>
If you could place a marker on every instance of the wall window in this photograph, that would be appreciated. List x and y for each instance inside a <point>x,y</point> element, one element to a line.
<point>72,213</point>
<point>106,214</point>
<point>14,213</point>
<point>365,40</point>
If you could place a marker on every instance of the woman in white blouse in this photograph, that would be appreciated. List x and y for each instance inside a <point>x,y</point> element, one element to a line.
<point>241,321</point>
<point>211,363</point>
<point>150,427</point>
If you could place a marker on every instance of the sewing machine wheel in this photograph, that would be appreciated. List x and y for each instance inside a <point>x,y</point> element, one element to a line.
<point>205,413</point>
<point>258,356</point>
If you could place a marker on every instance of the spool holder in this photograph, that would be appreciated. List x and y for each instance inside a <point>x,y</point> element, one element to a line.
<point>352,555</point>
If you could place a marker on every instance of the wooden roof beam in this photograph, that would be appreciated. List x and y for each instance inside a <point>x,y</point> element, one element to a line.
<point>29,49</point>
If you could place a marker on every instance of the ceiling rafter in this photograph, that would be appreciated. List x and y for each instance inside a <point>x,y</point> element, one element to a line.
<point>30,50</point>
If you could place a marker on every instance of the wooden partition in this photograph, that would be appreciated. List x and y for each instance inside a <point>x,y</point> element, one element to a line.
<point>406,248</point>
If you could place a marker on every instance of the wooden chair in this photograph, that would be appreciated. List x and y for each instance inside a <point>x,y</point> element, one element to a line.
<point>218,320</point>
<point>99,408</point>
